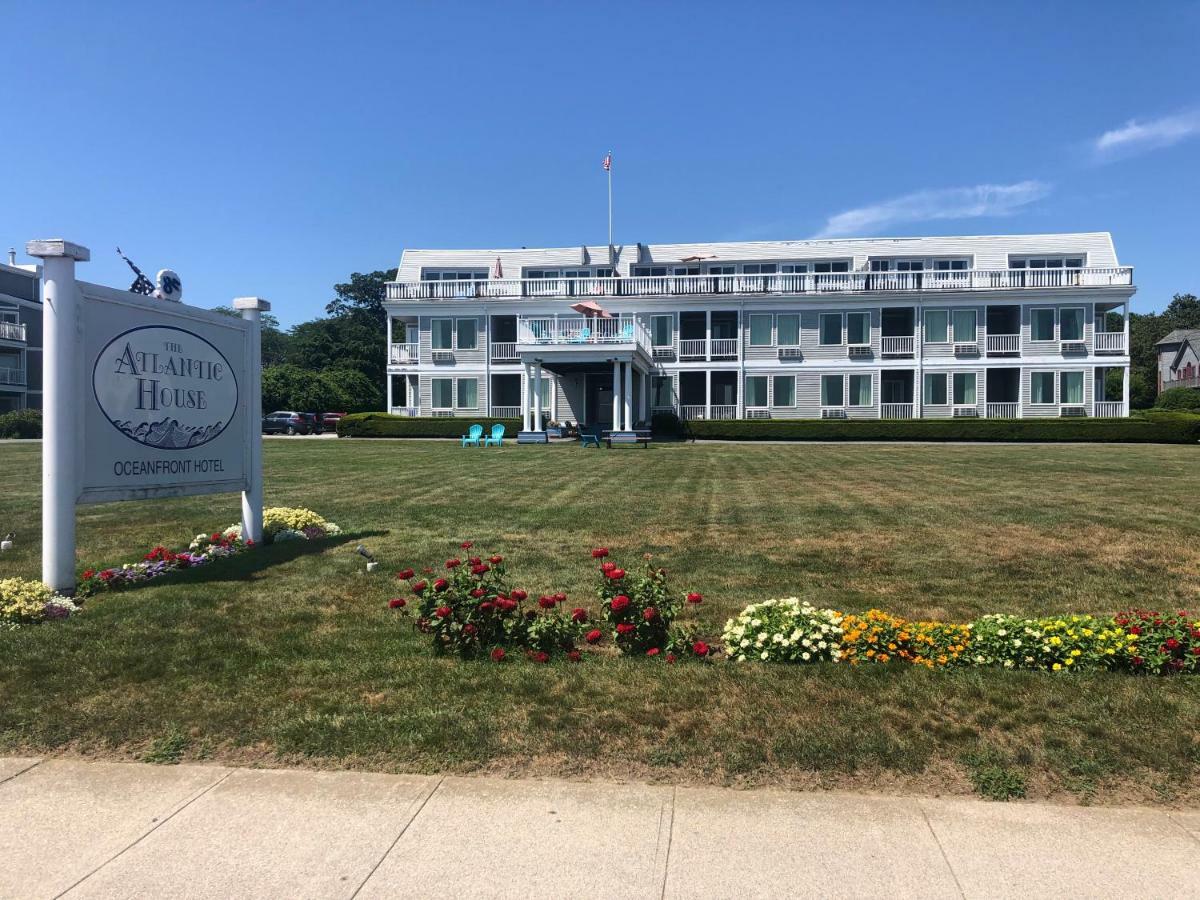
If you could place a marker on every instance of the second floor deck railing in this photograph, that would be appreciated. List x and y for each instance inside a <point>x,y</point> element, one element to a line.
<point>9,375</point>
<point>12,331</point>
<point>780,283</point>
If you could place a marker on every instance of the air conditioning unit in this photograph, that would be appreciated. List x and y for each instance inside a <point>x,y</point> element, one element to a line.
<point>1074,347</point>
<point>858,352</point>
<point>1072,411</point>
<point>966,412</point>
<point>790,353</point>
<point>443,356</point>
<point>966,349</point>
<point>758,414</point>
<point>664,352</point>
<point>833,414</point>
<point>443,414</point>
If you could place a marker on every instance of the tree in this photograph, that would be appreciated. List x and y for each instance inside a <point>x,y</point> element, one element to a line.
<point>343,342</point>
<point>1182,312</point>
<point>330,390</point>
<point>363,296</point>
<point>274,341</point>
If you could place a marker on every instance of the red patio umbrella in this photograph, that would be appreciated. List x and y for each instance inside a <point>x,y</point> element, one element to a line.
<point>591,308</point>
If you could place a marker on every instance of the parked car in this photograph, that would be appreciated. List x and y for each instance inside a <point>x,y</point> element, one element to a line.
<point>285,422</point>
<point>330,420</point>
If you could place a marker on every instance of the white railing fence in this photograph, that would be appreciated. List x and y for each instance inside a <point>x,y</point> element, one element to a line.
<point>506,412</point>
<point>723,411</point>
<point>896,411</point>
<point>724,347</point>
<point>1004,410</point>
<point>689,413</point>
<point>1109,409</point>
<point>504,351</point>
<point>897,346</point>
<point>12,331</point>
<point>1003,343</point>
<point>1182,382</point>
<point>405,411</point>
<point>693,348</point>
<point>779,283</point>
<point>11,376</point>
<point>622,329</point>
<point>405,353</point>
<point>1109,341</point>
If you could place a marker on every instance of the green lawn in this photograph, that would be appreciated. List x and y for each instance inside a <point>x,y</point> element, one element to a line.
<point>290,656</point>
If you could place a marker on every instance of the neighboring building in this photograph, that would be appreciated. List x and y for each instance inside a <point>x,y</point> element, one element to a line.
<point>998,327</point>
<point>1179,359</point>
<point>20,336</point>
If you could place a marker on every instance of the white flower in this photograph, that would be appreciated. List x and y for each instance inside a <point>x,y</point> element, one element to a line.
<point>806,656</point>
<point>765,654</point>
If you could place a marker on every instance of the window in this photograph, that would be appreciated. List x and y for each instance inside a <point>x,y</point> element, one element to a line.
<point>442,391</point>
<point>898,265</point>
<point>685,270</point>
<point>831,390</point>
<point>937,326</point>
<point>1046,262</point>
<point>964,326</point>
<point>662,330</point>
<point>794,268</point>
<point>759,268</point>
<point>784,388</point>
<point>454,275</point>
<point>860,390</point>
<point>649,270</point>
<point>544,384</point>
<point>950,265</point>
<point>721,269</point>
<point>661,390</point>
<point>1041,325</point>
<point>760,330</point>
<point>468,393</point>
<point>831,330</point>
<point>1071,388</point>
<point>468,333</point>
<point>964,388</point>
<point>1070,324</point>
<point>1041,388</point>
<point>756,391</point>
<point>442,336</point>
<point>858,329</point>
<point>788,327</point>
<point>604,271</point>
<point>822,267</point>
<point>935,388</point>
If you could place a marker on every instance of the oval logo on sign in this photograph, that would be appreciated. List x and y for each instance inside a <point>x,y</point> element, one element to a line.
<point>165,387</point>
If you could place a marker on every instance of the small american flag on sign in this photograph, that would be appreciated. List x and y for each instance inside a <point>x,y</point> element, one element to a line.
<point>608,161</point>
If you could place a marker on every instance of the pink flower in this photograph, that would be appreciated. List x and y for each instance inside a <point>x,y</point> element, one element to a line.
<point>653,651</point>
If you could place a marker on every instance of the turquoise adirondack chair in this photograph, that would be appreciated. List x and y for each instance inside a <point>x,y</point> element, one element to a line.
<point>496,439</point>
<point>627,332</point>
<point>471,438</point>
<point>583,336</point>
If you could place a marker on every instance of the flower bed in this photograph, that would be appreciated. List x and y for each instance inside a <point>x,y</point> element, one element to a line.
<point>785,630</point>
<point>24,602</point>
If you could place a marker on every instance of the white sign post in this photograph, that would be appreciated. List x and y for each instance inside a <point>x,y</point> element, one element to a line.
<point>142,399</point>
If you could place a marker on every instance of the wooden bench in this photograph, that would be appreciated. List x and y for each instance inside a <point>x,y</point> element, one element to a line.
<point>637,436</point>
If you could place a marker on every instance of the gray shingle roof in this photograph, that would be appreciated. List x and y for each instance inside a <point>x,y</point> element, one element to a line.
<point>1192,335</point>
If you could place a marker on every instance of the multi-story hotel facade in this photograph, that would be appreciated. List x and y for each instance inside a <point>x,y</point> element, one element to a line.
<point>20,336</point>
<point>983,326</point>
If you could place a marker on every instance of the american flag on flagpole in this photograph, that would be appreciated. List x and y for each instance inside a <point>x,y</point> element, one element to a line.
<point>608,161</point>
<point>141,284</point>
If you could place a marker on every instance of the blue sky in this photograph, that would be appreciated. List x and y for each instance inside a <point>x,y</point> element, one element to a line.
<point>272,149</point>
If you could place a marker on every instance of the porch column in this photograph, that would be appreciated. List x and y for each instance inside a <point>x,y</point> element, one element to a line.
<point>389,393</point>
<point>616,394</point>
<point>525,417</point>
<point>708,334</point>
<point>707,394</point>
<point>642,395</point>
<point>628,396</point>
<point>1125,381</point>
<point>553,398</point>
<point>537,395</point>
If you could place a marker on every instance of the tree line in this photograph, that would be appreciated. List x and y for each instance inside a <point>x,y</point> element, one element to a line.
<point>1145,330</point>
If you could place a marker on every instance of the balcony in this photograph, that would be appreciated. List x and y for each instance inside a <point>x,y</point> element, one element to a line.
<point>897,346</point>
<point>12,376</point>
<point>896,411</point>
<point>702,349</point>
<point>405,354</point>
<point>1109,341</point>
<point>504,351</point>
<point>798,283</point>
<point>581,332</point>
<point>1003,343</point>
<point>12,331</point>
<point>506,412</point>
<point>1109,409</point>
<point>1003,410</point>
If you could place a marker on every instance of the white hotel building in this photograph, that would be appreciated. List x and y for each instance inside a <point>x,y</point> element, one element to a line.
<point>896,328</point>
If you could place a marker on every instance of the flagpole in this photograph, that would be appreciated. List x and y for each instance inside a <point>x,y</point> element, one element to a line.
<point>610,240</point>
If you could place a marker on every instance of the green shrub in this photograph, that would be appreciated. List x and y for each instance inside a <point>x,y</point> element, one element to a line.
<point>1178,398</point>
<point>1153,428</point>
<point>21,423</point>
<point>384,425</point>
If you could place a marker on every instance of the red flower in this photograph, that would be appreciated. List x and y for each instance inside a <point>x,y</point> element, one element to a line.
<point>1172,643</point>
<point>670,658</point>
<point>453,563</point>
<point>419,587</point>
<point>693,597</point>
<point>593,636</point>
<point>106,575</point>
<point>478,592</point>
<point>653,651</point>
<point>649,613</point>
<point>541,656</point>
<point>88,573</point>
<point>1135,630</point>
<point>479,569</point>
<point>624,628</point>
<point>440,584</point>
<point>608,566</point>
<point>487,606</point>
<point>546,602</point>
<point>250,542</point>
<point>574,656</point>
<point>615,574</point>
<point>215,538</point>
<point>600,553</point>
<point>700,648</point>
<point>498,654</point>
<point>495,560</point>
<point>467,545</point>
<point>469,628</point>
<point>560,597</point>
<point>619,603</point>
<point>518,594</point>
<point>474,561</point>
<point>405,574</point>
<point>442,612</point>
<point>1137,660</point>
<point>579,614</point>
<point>397,602</point>
<point>1196,651</point>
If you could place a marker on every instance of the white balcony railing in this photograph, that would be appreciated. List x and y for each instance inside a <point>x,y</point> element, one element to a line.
<point>896,411</point>
<point>11,376</point>
<point>12,331</point>
<point>1109,341</point>
<point>581,330</point>
<point>1004,410</point>
<point>1003,343</point>
<point>504,351</point>
<point>798,283</point>
<point>506,412</point>
<point>693,348</point>
<point>689,413</point>
<point>723,348</point>
<point>1192,382</point>
<point>405,411</point>
<point>723,411</point>
<point>404,354</point>
<point>897,346</point>
<point>1109,409</point>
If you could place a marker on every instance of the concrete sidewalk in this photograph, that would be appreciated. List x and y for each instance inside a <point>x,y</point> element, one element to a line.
<point>96,829</point>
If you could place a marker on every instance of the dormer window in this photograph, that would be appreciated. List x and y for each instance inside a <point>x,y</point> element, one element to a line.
<point>454,274</point>
<point>897,265</point>
<point>951,265</point>
<point>1045,262</point>
<point>840,265</point>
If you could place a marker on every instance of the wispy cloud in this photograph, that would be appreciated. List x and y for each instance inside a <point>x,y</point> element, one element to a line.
<point>1135,136</point>
<point>946,203</point>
